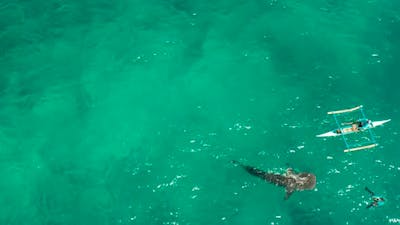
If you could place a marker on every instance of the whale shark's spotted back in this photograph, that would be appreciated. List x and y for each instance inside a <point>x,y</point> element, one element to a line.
<point>291,181</point>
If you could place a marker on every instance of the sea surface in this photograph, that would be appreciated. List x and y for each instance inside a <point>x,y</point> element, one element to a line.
<point>129,112</point>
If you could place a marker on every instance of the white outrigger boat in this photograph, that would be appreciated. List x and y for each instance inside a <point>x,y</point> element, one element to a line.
<point>349,129</point>
<point>362,124</point>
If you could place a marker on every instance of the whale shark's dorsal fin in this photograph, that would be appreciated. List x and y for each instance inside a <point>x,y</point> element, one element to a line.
<point>289,171</point>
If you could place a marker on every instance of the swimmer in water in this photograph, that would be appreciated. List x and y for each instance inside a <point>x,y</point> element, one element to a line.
<point>377,200</point>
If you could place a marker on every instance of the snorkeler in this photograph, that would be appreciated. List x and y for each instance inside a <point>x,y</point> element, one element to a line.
<point>377,200</point>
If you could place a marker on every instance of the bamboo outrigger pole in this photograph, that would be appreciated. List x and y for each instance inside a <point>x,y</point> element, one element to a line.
<point>345,110</point>
<point>360,148</point>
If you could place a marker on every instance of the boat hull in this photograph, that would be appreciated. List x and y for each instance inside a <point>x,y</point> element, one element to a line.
<point>379,123</point>
<point>347,130</point>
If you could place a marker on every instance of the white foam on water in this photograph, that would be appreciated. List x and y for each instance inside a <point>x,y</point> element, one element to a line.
<point>195,188</point>
<point>333,171</point>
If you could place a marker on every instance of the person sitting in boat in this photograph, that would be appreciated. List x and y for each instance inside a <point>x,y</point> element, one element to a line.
<point>377,200</point>
<point>355,126</point>
<point>359,125</point>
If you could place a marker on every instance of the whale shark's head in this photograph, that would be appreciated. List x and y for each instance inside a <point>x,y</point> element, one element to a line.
<point>299,182</point>
<point>305,181</point>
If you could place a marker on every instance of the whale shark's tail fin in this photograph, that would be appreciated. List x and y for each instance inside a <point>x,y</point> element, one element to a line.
<point>276,179</point>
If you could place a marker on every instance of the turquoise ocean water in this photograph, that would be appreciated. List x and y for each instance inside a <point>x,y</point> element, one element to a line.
<point>128,112</point>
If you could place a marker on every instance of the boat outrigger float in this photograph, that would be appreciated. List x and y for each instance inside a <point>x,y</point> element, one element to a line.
<point>359,125</point>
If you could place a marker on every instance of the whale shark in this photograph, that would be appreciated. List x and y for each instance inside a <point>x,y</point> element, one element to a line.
<point>290,180</point>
